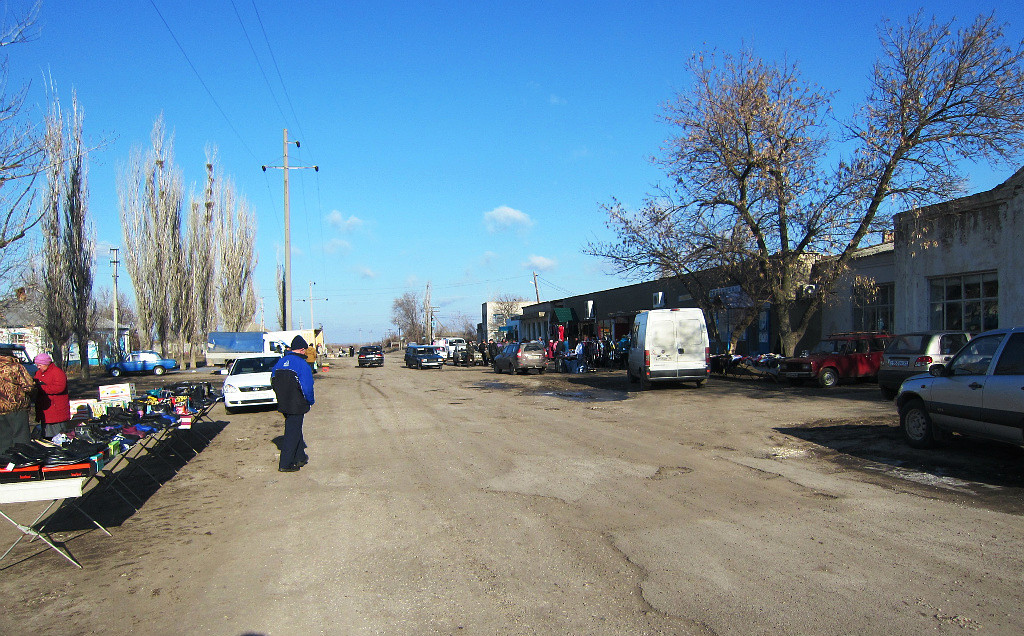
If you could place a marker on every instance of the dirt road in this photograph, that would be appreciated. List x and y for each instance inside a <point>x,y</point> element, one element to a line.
<point>460,501</point>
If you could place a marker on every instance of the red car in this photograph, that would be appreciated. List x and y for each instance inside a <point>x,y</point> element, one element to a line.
<point>841,356</point>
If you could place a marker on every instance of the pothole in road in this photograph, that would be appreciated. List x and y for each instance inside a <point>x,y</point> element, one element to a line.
<point>581,396</point>
<point>666,472</point>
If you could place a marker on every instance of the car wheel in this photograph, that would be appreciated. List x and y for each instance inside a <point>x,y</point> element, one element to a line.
<point>887,393</point>
<point>115,372</point>
<point>828,378</point>
<point>419,365</point>
<point>541,370</point>
<point>159,370</point>
<point>229,410</point>
<point>917,425</point>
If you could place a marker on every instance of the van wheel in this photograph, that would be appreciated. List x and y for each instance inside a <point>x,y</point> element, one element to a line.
<point>701,383</point>
<point>828,378</point>
<point>916,425</point>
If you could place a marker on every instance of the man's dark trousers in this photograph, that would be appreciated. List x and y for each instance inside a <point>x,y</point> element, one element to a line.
<point>293,447</point>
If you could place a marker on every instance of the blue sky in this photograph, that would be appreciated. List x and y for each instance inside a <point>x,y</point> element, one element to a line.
<point>464,144</point>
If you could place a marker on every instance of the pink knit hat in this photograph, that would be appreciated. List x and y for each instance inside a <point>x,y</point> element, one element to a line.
<point>43,358</point>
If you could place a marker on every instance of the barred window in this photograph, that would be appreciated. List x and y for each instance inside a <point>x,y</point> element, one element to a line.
<point>969,302</point>
<point>873,311</point>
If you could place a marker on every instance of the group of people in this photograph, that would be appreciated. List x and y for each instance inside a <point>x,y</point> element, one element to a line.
<point>587,353</point>
<point>19,391</point>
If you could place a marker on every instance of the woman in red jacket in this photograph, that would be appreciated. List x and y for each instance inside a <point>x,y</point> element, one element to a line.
<point>53,409</point>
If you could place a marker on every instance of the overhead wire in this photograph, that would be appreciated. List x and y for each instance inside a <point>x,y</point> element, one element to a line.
<point>201,80</point>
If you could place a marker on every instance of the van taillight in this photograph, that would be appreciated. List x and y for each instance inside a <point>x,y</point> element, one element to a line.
<point>647,357</point>
<point>707,359</point>
<point>923,361</point>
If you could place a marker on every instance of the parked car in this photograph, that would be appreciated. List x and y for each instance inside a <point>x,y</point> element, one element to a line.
<point>667,345</point>
<point>19,353</point>
<point>979,393</point>
<point>371,356</point>
<point>423,357</point>
<point>142,362</point>
<point>841,356</point>
<point>520,357</point>
<point>248,383</point>
<point>913,353</point>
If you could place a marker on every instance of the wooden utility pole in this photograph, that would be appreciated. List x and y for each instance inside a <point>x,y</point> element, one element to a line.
<point>117,328</point>
<point>536,289</point>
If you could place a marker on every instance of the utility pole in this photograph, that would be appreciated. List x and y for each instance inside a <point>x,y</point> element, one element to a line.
<point>117,328</point>
<point>288,230</point>
<point>312,325</point>
<point>428,313</point>
<point>536,289</point>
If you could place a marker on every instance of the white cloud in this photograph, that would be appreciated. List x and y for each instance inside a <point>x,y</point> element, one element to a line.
<point>540,263</point>
<point>557,101</point>
<point>338,220</point>
<point>337,245</point>
<point>366,272</point>
<point>504,218</point>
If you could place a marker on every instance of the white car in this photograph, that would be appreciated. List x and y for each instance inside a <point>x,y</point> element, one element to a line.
<point>248,383</point>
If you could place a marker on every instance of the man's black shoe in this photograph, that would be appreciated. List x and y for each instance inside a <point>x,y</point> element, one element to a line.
<point>301,463</point>
<point>289,469</point>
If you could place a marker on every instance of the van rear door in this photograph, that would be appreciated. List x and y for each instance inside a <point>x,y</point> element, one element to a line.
<point>689,345</point>
<point>662,342</point>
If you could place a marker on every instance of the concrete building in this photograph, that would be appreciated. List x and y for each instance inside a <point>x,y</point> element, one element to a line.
<point>958,264</point>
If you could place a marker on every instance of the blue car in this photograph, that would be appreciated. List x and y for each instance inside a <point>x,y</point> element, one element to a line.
<point>423,357</point>
<point>142,362</point>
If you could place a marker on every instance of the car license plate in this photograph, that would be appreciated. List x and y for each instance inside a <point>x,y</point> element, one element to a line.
<point>899,363</point>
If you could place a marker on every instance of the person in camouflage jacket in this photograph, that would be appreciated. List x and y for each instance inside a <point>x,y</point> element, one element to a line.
<point>16,387</point>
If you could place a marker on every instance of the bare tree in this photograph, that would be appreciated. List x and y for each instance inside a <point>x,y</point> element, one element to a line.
<point>236,238</point>
<point>201,266</point>
<point>56,292</point>
<point>22,160</point>
<point>750,162</point>
<point>508,305</point>
<point>104,310</point>
<point>79,240</point>
<point>279,284</point>
<point>407,316</point>
<point>150,192</point>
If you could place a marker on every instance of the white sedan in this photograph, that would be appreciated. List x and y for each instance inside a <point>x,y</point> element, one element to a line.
<point>248,383</point>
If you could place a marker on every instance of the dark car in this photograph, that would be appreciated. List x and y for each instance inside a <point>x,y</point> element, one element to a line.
<point>520,357</point>
<point>371,356</point>
<point>979,393</point>
<point>142,362</point>
<point>841,356</point>
<point>423,357</point>
<point>19,353</point>
<point>913,353</point>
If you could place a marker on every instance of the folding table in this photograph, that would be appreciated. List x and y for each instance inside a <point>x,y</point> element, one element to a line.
<point>55,490</point>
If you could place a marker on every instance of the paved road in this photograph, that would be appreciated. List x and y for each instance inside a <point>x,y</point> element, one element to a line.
<point>460,501</point>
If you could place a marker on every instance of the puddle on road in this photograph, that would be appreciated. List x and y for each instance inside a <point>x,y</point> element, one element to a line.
<point>582,396</point>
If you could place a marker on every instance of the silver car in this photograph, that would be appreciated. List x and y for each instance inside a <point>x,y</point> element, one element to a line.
<point>912,353</point>
<point>979,393</point>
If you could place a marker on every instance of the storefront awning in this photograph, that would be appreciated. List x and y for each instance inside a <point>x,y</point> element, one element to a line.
<point>563,314</point>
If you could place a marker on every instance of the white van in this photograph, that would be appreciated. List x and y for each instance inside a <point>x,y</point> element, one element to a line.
<point>668,344</point>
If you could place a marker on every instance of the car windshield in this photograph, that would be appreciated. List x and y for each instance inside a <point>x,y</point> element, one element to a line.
<point>369,350</point>
<point>253,365</point>
<point>908,343</point>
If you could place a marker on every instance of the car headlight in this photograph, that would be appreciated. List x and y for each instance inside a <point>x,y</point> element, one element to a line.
<point>230,388</point>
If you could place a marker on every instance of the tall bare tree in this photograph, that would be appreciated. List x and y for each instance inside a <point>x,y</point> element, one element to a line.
<point>407,316</point>
<point>200,302</point>
<point>55,292</point>
<point>508,305</point>
<point>22,160</point>
<point>150,191</point>
<point>236,238</point>
<point>750,163</point>
<point>79,240</point>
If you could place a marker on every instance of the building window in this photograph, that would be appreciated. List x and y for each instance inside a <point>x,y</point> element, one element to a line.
<point>873,309</point>
<point>965,303</point>
<point>18,337</point>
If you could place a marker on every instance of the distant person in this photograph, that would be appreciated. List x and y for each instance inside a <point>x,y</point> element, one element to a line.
<point>292,380</point>
<point>53,407</point>
<point>16,386</point>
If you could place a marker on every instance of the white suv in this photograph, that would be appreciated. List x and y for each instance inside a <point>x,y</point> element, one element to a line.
<point>979,393</point>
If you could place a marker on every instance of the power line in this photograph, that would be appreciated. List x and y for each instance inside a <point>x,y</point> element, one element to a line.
<point>277,68</point>
<point>266,80</point>
<point>201,81</point>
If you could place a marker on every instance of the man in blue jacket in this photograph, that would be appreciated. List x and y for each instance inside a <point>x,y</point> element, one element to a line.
<point>292,380</point>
